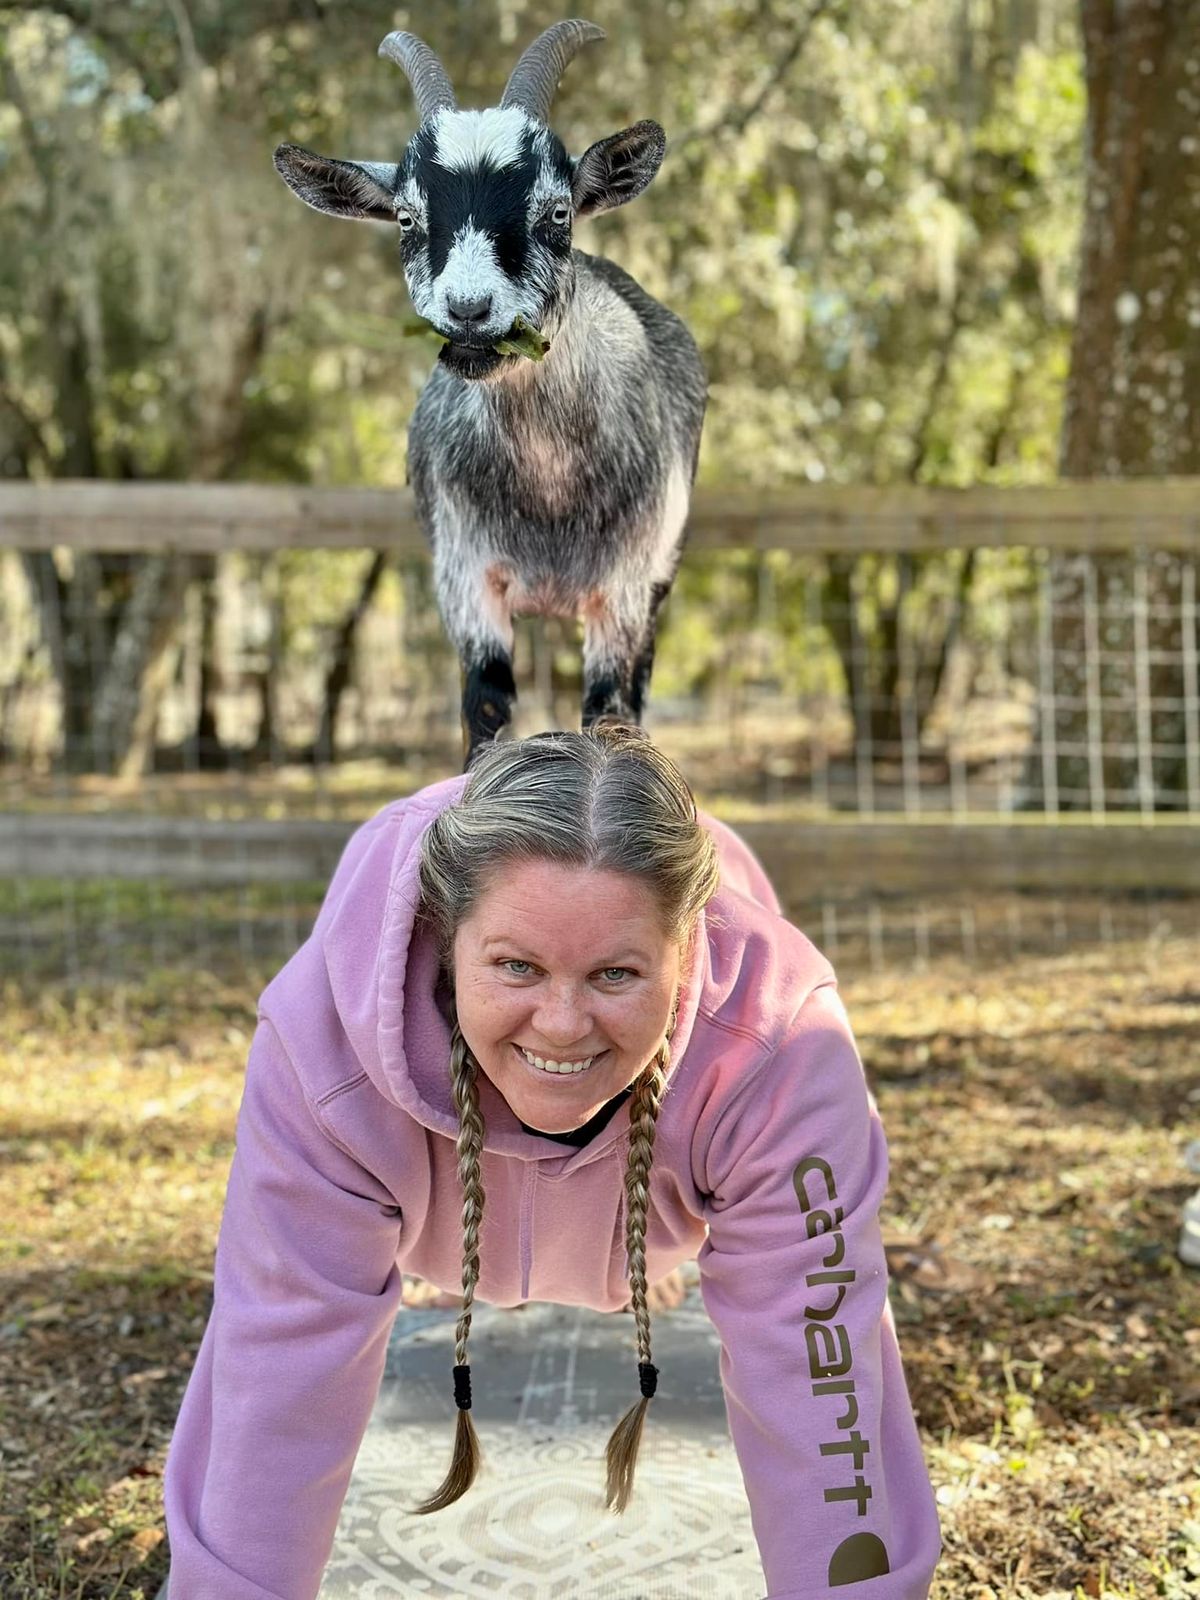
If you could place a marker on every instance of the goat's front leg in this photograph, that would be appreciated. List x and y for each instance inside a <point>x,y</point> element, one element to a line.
<point>474,595</point>
<point>613,637</point>
<point>640,682</point>
<point>621,622</point>
<point>489,691</point>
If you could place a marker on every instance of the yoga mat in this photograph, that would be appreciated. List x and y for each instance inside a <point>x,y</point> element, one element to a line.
<point>548,1384</point>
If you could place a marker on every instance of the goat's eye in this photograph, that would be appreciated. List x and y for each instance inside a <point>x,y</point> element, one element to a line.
<point>561,215</point>
<point>406,220</point>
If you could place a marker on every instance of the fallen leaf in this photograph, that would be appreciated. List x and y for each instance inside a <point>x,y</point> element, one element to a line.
<point>149,1375</point>
<point>923,1262</point>
<point>54,1312</point>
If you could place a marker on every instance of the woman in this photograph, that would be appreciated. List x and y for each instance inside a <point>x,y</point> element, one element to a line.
<point>501,963</point>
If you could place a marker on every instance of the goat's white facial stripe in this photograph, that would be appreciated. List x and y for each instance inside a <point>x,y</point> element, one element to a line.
<point>466,139</point>
<point>471,266</point>
<point>472,271</point>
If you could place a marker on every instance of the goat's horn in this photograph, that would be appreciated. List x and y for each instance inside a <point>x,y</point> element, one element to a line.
<point>535,76</point>
<point>425,72</point>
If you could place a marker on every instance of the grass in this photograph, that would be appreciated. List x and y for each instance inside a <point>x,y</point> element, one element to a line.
<point>1037,1104</point>
<point>1037,1112</point>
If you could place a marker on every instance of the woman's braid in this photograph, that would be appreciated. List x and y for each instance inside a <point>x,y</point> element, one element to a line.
<point>464,1077</point>
<point>643,1122</point>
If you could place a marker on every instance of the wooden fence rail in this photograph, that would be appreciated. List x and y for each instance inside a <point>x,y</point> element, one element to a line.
<point>91,515</point>
<point>806,860</point>
<point>839,857</point>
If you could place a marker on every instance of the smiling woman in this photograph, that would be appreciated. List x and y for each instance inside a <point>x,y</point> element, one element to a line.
<point>504,963</point>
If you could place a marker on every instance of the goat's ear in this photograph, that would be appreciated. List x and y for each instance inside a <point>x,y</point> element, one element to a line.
<point>617,168</point>
<point>359,189</point>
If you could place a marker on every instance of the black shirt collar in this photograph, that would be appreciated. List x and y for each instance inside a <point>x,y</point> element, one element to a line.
<point>581,1136</point>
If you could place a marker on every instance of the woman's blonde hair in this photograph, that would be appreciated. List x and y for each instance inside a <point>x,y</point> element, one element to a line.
<point>604,799</point>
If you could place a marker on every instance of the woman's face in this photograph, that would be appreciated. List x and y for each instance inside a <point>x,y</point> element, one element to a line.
<point>557,966</point>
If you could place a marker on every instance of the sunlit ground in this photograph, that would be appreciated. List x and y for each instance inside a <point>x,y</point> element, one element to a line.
<point>1037,1104</point>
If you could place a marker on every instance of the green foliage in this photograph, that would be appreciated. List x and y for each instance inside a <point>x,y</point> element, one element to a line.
<point>868,215</point>
<point>868,219</point>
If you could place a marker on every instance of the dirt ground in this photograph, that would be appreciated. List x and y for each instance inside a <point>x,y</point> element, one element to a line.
<point>1037,1102</point>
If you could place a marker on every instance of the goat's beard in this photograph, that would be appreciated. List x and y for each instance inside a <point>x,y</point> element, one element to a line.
<point>471,362</point>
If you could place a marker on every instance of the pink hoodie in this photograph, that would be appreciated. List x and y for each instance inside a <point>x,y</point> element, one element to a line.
<point>769,1166</point>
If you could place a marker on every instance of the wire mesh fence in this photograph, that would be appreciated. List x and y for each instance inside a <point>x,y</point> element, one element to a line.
<point>126,939</point>
<point>988,680</point>
<point>962,660</point>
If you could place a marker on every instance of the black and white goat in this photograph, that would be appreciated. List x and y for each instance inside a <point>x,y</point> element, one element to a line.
<point>554,487</point>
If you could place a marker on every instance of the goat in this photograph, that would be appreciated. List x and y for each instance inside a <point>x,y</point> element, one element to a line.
<point>557,486</point>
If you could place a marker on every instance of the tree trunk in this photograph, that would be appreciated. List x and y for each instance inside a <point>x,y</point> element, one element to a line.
<point>887,686</point>
<point>1115,668</point>
<point>210,753</point>
<point>138,756</point>
<point>338,675</point>
<point>837,608</point>
<point>146,627</point>
<point>263,751</point>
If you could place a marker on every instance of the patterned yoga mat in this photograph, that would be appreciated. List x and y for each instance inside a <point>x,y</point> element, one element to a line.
<point>549,1383</point>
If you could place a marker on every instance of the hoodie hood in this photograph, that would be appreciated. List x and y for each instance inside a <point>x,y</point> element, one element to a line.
<point>381,964</point>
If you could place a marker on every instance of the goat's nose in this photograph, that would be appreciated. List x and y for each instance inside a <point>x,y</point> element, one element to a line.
<point>476,310</point>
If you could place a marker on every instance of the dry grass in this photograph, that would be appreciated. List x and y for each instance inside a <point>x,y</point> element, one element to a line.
<point>1036,1105</point>
<point>1037,1111</point>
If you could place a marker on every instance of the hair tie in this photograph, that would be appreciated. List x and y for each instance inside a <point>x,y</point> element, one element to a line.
<point>462,1388</point>
<point>647,1378</point>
